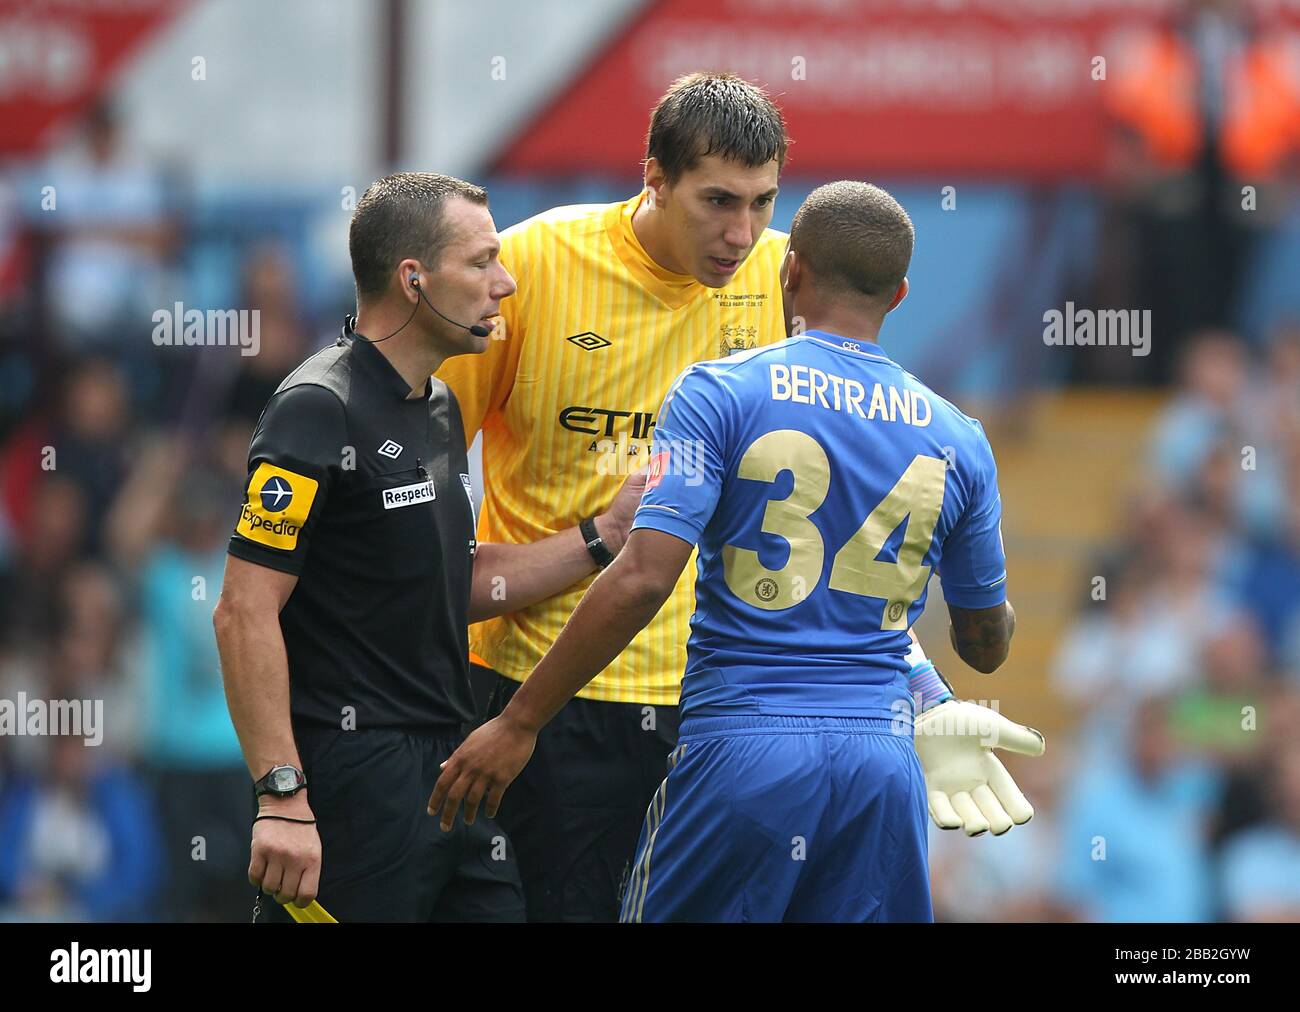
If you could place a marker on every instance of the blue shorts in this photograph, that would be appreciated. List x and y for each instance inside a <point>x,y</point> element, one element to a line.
<point>785,819</point>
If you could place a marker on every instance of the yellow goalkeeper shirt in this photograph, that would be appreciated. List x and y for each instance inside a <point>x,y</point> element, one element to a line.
<point>567,394</point>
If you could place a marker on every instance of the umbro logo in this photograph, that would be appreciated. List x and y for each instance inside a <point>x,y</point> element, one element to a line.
<point>390,449</point>
<point>588,341</point>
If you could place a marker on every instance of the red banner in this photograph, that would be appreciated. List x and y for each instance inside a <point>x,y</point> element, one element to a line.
<point>972,87</point>
<point>57,56</point>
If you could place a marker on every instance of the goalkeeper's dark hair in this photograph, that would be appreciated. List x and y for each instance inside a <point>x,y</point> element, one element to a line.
<point>401,216</point>
<point>715,114</point>
<point>854,238</point>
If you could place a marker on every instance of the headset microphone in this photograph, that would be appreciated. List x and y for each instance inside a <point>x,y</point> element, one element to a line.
<point>478,330</point>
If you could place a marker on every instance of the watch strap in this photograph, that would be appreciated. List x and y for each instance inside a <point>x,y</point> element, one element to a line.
<point>595,543</point>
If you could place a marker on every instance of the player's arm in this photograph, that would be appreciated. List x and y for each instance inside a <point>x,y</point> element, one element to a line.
<point>973,566</point>
<point>680,498</point>
<point>967,786</point>
<point>301,434</point>
<point>982,636</point>
<point>618,605</point>
<point>510,577</point>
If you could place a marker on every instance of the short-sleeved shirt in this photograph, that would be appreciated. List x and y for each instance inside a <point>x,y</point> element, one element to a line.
<point>364,494</point>
<point>566,396</point>
<point>822,484</point>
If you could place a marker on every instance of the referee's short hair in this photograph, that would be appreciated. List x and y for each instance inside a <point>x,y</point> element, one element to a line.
<point>854,238</point>
<point>715,114</point>
<point>401,216</point>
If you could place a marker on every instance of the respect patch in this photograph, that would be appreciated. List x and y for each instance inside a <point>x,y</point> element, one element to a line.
<point>408,495</point>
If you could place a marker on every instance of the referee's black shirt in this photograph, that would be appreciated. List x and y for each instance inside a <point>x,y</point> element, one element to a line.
<point>365,495</point>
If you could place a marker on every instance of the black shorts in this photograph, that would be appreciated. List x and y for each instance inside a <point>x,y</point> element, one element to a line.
<point>575,812</point>
<point>383,857</point>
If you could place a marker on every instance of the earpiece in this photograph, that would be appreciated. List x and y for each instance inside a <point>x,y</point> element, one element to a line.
<point>478,330</point>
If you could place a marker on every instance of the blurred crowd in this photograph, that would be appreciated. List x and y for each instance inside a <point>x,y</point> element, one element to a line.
<point>1177,795</point>
<point>121,465</point>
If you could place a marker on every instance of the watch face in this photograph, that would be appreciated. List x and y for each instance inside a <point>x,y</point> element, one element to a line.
<point>284,780</point>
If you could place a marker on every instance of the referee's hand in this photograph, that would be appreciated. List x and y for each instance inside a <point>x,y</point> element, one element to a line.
<point>286,855</point>
<point>486,763</point>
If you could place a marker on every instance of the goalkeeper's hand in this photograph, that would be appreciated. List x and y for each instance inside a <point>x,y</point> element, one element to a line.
<point>968,787</point>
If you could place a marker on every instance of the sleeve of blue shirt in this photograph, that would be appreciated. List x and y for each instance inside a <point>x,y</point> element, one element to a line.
<point>687,456</point>
<point>973,567</point>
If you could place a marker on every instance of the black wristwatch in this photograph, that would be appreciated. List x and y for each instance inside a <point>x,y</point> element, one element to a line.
<point>595,543</point>
<point>282,781</point>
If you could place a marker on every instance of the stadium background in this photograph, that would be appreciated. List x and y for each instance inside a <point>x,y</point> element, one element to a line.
<point>209,153</point>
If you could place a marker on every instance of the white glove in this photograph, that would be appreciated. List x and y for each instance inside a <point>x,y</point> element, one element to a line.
<point>968,787</point>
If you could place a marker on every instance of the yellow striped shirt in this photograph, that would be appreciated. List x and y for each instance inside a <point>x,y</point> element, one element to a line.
<point>566,395</point>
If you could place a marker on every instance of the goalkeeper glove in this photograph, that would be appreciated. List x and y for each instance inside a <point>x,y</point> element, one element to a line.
<point>967,786</point>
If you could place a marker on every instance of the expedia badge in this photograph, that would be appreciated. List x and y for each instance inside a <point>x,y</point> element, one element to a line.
<point>276,507</point>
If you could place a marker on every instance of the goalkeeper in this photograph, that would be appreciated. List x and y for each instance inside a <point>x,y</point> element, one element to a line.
<point>795,792</point>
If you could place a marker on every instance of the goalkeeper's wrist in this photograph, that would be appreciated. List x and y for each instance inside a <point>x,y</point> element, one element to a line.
<point>927,687</point>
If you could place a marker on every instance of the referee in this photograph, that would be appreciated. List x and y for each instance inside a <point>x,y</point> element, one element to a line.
<point>353,574</point>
